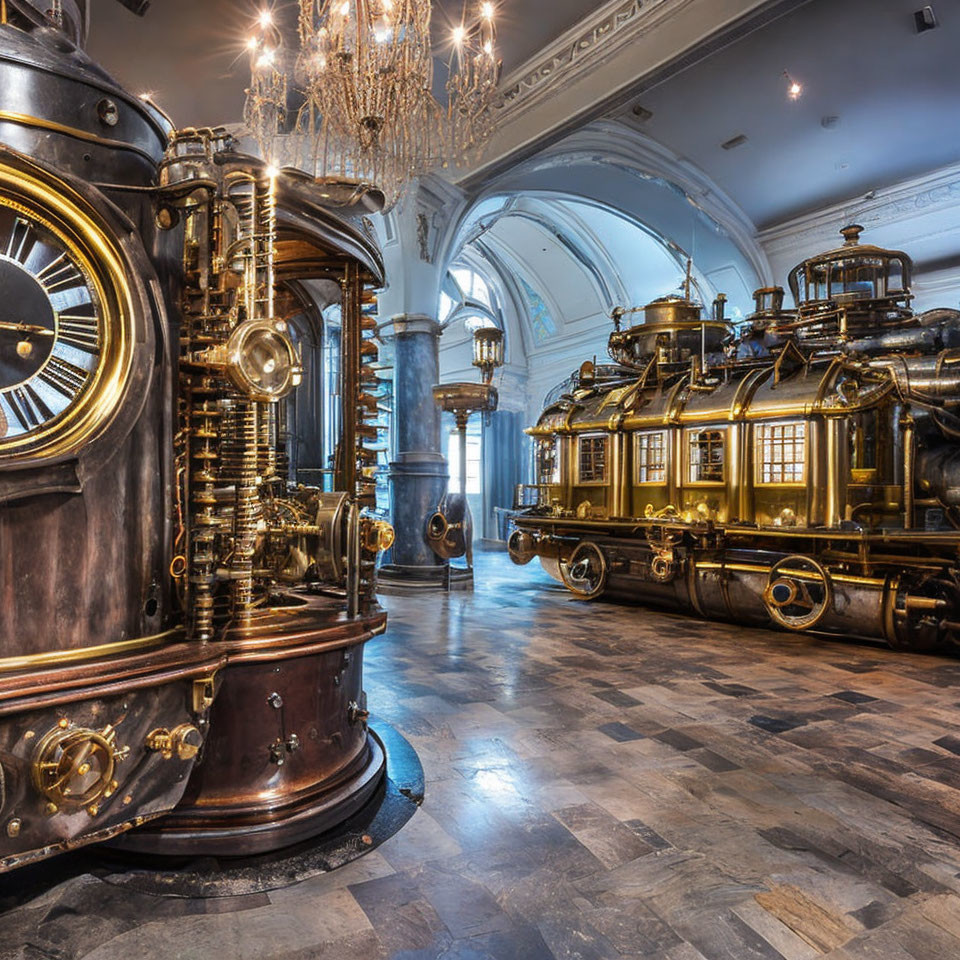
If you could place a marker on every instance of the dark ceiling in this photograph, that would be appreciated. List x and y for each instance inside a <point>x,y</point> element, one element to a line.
<point>880,103</point>
<point>189,53</point>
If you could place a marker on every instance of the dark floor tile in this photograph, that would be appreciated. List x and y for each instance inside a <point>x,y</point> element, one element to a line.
<point>775,724</point>
<point>858,666</point>
<point>648,835</point>
<point>678,740</point>
<point>713,761</point>
<point>732,689</point>
<point>618,698</point>
<point>620,732</point>
<point>950,743</point>
<point>873,914</point>
<point>851,696</point>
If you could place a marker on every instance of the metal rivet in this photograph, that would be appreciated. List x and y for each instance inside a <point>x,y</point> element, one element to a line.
<point>13,827</point>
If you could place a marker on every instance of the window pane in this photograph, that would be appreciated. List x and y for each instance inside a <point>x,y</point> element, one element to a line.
<point>781,452</point>
<point>706,456</point>
<point>651,457</point>
<point>593,459</point>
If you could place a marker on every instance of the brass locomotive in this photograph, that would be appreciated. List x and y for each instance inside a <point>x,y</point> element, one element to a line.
<point>802,471</point>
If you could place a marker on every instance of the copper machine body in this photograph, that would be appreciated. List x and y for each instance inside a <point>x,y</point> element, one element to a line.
<point>799,472</point>
<point>182,623</point>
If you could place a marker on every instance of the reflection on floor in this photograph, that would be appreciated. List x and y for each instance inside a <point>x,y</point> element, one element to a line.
<point>608,782</point>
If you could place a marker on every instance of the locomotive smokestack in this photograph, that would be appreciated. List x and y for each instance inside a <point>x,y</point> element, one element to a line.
<point>720,307</point>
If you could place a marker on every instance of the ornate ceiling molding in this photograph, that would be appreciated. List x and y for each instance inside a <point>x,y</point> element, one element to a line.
<point>596,38</point>
<point>908,204</point>
<point>611,147</point>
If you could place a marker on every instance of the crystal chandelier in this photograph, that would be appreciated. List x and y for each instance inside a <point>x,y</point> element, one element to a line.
<point>354,105</point>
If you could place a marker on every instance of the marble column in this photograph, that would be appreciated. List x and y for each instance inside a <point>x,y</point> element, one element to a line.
<point>418,475</point>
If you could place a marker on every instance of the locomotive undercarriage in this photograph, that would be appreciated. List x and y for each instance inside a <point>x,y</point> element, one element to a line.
<point>891,586</point>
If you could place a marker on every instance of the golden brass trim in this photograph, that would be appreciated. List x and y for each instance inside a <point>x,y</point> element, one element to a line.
<point>57,658</point>
<point>49,200</point>
<point>25,120</point>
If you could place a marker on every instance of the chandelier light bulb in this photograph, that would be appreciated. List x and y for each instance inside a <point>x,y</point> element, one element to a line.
<point>364,114</point>
<point>252,43</point>
<point>265,19</point>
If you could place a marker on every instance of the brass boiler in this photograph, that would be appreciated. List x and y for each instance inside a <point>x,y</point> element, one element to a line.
<point>799,472</point>
<point>182,623</point>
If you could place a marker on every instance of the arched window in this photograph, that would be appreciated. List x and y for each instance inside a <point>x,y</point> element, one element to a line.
<point>467,296</point>
<point>541,320</point>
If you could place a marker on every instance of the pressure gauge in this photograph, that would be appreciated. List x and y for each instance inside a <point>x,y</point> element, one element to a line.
<point>263,363</point>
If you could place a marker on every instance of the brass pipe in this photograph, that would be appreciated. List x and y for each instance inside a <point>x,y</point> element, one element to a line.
<point>909,465</point>
<point>58,658</point>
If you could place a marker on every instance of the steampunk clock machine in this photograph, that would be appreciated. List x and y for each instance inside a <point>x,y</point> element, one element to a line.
<point>801,471</point>
<point>182,624</point>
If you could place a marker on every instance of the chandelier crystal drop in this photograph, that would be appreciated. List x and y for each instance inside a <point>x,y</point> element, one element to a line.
<point>354,105</point>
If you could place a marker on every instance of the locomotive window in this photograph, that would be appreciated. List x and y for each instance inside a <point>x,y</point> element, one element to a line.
<point>549,461</point>
<point>781,452</point>
<point>593,460</point>
<point>706,456</point>
<point>651,456</point>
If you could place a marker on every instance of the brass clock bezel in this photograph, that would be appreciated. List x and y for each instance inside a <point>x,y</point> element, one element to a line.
<point>88,241</point>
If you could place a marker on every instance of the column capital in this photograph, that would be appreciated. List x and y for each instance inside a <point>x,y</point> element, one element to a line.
<point>410,323</point>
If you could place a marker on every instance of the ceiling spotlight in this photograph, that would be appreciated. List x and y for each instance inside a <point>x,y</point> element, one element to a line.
<point>794,89</point>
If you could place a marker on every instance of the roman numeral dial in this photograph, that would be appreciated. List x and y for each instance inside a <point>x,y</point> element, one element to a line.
<point>51,329</point>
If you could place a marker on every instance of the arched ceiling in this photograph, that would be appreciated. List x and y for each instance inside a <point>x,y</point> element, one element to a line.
<point>574,259</point>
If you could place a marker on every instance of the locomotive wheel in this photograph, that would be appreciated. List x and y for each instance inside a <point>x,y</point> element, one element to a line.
<point>585,573</point>
<point>798,594</point>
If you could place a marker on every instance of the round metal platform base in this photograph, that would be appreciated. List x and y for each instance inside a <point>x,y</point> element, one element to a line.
<point>393,803</point>
<point>398,579</point>
<point>197,832</point>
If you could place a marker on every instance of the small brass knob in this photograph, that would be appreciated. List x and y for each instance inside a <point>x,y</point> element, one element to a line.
<point>184,741</point>
<point>187,741</point>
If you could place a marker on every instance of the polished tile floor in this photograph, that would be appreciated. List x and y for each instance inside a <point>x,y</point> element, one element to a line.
<point>608,782</point>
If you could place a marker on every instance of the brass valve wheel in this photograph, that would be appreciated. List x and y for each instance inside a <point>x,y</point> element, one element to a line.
<point>798,593</point>
<point>585,573</point>
<point>73,767</point>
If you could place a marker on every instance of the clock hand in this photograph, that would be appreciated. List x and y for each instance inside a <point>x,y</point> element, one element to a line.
<point>27,328</point>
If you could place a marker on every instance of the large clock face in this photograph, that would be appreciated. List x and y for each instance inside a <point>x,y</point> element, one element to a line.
<point>51,340</point>
<point>67,326</point>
